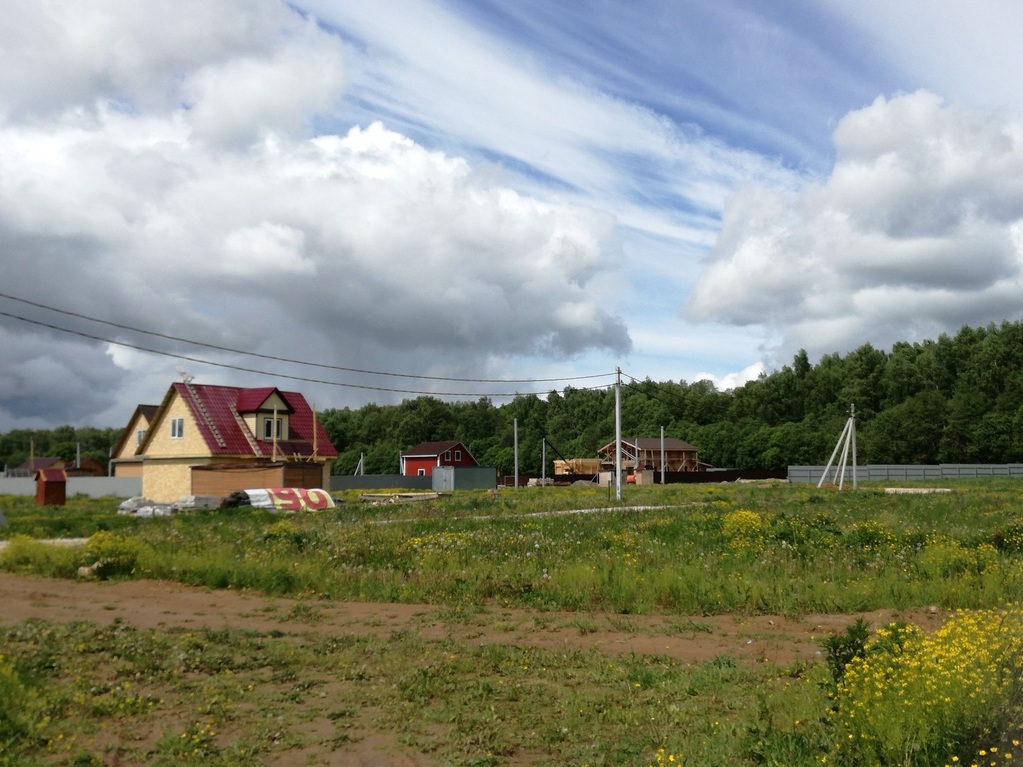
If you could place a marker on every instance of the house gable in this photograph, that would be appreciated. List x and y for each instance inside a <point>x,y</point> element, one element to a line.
<point>174,432</point>
<point>266,413</point>
<point>205,420</point>
<point>424,457</point>
<point>135,432</point>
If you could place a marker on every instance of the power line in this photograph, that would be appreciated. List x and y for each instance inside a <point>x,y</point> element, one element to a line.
<point>282,359</point>
<point>244,369</point>
<point>645,387</point>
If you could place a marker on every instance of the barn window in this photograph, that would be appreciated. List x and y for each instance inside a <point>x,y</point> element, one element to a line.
<point>421,472</point>
<point>447,455</point>
<point>458,455</point>
<point>177,428</point>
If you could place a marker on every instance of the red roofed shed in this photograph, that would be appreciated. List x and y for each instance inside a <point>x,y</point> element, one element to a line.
<point>51,487</point>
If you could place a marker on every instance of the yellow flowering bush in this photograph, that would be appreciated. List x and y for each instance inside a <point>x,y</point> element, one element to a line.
<point>114,554</point>
<point>943,557</point>
<point>916,699</point>
<point>744,530</point>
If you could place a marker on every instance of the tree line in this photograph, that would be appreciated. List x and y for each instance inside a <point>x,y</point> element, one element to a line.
<point>17,445</point>
<point>957,399</point>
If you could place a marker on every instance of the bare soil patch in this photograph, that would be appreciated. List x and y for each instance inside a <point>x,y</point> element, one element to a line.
<point>160,604</point>
<point>150,604</point>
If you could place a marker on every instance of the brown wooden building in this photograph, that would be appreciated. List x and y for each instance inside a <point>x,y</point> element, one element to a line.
<point>644,453</point>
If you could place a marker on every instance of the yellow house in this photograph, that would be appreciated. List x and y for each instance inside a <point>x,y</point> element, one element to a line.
<point>213,440</point>
<point>125,462</point>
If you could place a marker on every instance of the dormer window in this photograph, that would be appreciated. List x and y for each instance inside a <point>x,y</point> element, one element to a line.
<point>272,428</point>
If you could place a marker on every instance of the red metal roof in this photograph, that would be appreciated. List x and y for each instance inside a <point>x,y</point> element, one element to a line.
<point>426,449</point>
<point>51,475</point>
<point>217,413</point>
<point>251,400</point>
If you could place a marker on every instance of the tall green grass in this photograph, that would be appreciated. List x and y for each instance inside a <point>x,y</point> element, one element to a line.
<point>901,698</point>
<point>691,550</point>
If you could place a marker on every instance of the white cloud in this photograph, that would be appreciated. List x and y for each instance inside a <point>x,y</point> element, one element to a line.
<point>225,219</point>
<point>233,102</point>
<point>65,54</point>
<point>731,381</point>
<point>915,231</point>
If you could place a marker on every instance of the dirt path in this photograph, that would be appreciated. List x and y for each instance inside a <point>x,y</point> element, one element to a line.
<point>159,604</point>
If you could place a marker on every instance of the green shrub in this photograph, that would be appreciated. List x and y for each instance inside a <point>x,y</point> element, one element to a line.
<point>18,708</point>
<point>841,649</point>
<point>112,554</point>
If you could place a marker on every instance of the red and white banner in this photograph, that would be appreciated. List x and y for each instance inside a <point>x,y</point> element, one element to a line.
<point>290,498</point>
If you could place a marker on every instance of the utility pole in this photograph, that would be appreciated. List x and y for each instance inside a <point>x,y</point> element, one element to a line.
<point>847,440</point>
<point>618,434</point>
<point>515,439</point>
<point>662,455</point>
<point>543,462</point>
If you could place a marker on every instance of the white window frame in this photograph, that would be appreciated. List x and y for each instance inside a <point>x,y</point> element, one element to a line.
<point>140,435</point>
<point>420,472</point>
<point>177,428</point>
<point>447,455</point>
<point>458,455</point>
<point>267,433</point>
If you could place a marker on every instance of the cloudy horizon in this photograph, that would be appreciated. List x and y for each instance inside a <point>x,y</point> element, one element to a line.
<point>488,198</point>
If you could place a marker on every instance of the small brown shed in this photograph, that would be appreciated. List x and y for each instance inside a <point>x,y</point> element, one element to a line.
<point>51,487</point>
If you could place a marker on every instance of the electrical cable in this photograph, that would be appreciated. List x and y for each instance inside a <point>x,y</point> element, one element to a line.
<point>306,379</point>
<point>286,359</point>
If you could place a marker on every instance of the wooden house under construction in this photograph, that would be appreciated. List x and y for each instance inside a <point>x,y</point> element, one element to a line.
<point>644,454</point>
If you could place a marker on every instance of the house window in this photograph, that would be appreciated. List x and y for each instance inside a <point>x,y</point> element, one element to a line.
<point>177,428</point>
<point>272,428</point>
<point>447,455</point>
<point>458,455</point>
<point>139,436</point>
<point>421,473</point>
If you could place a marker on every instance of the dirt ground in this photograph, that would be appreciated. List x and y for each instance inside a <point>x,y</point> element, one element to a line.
<point>159,604</point>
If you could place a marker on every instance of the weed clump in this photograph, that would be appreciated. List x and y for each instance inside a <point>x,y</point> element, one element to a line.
<point>112,554</point>
<point>914,699</point>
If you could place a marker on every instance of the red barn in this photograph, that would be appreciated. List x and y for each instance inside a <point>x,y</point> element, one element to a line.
<point>424,457</point>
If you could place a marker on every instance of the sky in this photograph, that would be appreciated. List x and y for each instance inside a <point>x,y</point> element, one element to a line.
<point>367,202</point>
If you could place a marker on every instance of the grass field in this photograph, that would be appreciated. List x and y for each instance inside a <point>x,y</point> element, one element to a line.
<point>686,551</point>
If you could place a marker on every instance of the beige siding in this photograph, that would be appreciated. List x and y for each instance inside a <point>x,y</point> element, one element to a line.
<point>131,442</point>
<point>190,444</point>
<point>223,483</point>
<point>167,480</point>
<point>130,469</point>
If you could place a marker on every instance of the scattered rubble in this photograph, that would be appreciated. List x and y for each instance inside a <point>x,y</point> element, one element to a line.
<point>143,507</point>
